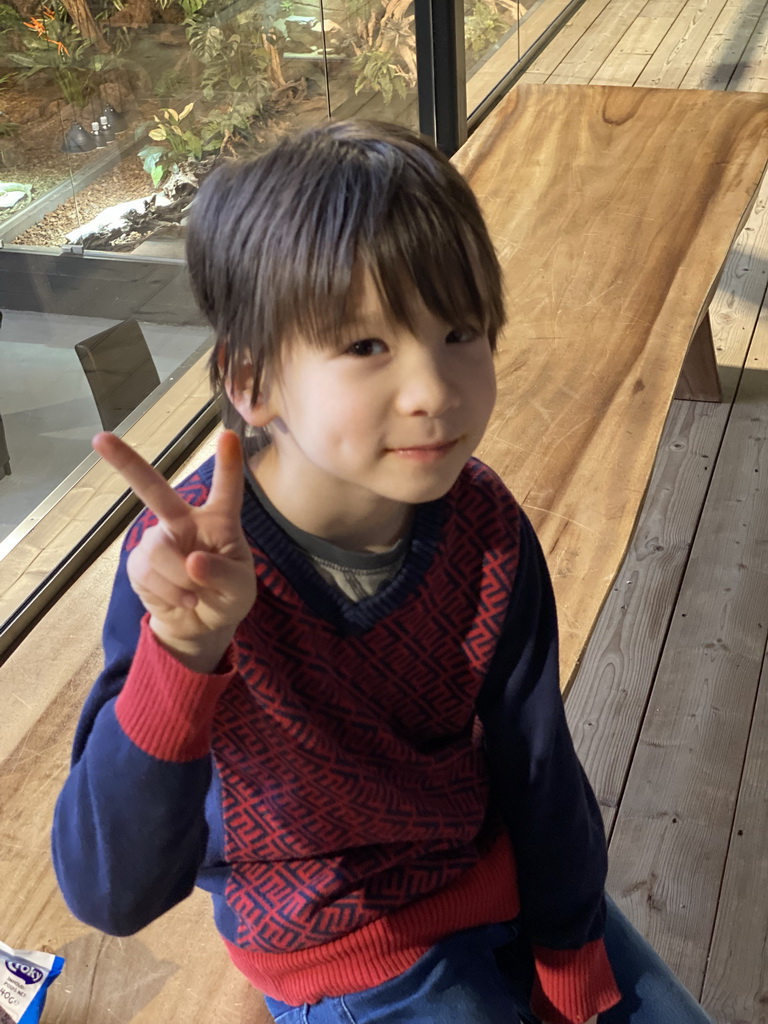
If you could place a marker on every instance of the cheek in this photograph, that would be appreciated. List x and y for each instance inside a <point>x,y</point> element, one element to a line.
<point>344,420</point>
<point>485,389</point>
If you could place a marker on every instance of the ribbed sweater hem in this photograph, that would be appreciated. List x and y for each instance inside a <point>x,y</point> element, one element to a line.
<point>164,708</point>
<point>383,949</point>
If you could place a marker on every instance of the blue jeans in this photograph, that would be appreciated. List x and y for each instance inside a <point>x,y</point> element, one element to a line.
<point>483,976</point>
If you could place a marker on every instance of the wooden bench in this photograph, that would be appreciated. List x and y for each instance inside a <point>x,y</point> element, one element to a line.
<point>612,211</point>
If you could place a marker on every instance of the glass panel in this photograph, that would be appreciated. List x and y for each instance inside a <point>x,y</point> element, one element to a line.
<point>137,102</point>
<point>63,378</point>
<point>115,110</point>
<point>538,17</point>
<point>371,48</point>
<point>492,44</point>
<point>37,83</point>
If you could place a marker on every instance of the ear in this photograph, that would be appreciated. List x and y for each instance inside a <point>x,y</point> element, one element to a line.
<point>239,388</point>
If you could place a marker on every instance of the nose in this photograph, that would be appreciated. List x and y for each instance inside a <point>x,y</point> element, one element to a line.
<point>427,387</point>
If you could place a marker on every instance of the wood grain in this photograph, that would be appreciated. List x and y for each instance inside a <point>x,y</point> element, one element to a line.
<point>587,371</point>
<point>555,52</point>
<point>736,985</point>
<point>174,971</point>
<point>714,64</point>
<point>607,703</point>
<point>672,832</point>
<point>588,54</point>
<point>667,67</point>
<point>609,253</point>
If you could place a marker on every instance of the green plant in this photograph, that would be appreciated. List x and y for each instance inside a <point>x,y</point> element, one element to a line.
<point>379,70</point>
<point>386,52</point>
<point>55,47</point>
<point>177,144</point>
<point>483,26</point>
<point>231,62</point>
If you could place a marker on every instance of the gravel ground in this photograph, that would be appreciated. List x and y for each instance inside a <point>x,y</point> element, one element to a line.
<point>128,180</point>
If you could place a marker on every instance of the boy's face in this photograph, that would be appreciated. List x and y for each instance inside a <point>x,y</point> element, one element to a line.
<point>387,419</point>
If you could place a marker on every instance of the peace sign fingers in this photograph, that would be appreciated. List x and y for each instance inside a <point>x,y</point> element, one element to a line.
<point>226,494</point>
<point>144,480</point>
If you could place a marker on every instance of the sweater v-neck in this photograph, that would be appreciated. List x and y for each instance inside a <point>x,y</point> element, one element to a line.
<point>324,598</point>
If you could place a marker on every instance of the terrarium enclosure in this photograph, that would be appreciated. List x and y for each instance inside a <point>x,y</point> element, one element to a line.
<point>112,111</point>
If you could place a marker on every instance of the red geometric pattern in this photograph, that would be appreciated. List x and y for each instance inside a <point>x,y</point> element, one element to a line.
<point>194,491</point>
<point>352,774</point>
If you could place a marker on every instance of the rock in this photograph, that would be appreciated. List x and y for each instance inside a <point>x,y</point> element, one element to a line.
<point>9,199</point>
<point>310,35</point>
<point>109,221</point>
<point>299,34</point>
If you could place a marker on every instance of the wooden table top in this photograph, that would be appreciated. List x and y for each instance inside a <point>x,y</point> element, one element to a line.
<point>612,210</point>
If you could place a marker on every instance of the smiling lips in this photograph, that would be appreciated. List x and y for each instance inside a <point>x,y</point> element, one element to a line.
<point>426,452</point>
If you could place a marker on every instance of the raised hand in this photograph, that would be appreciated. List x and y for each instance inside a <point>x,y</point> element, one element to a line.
<point>193,571</point>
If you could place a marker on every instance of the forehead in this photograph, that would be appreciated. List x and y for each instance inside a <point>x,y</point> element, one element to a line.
<point>367,302</point>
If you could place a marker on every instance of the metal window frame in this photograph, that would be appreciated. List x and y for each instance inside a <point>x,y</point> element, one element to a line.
<point>442,72</point>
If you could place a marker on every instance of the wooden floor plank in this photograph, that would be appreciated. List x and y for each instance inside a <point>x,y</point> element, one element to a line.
<point>751,71</point>
<point>715,63</point>
<point>607,703</point>
<point>670,63</point>
<point>576,27</point>
<point>629,58</point>
<point>736,986</point>
<point>671,835</point>
<point>587,56</point>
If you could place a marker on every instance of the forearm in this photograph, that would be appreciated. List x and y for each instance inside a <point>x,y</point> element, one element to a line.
<point>547,804</point>
<point>129,830</point>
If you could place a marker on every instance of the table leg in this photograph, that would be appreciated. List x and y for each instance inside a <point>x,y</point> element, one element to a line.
<point>699,381</point>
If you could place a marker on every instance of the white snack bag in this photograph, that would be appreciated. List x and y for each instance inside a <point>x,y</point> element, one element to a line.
<point>24,978</point>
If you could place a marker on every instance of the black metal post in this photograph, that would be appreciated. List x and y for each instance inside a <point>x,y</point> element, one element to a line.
<point>441,67</point>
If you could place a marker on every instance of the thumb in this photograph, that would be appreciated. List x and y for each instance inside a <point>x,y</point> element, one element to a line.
<point>218,572</point>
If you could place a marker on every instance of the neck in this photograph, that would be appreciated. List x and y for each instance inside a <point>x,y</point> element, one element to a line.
<point>353,520</point>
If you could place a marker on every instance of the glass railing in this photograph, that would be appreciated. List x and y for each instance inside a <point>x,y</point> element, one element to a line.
<point>492,41</point>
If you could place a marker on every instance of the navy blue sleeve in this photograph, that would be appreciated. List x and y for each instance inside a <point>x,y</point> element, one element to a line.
<point>129,830</point>
<point>537,781</point>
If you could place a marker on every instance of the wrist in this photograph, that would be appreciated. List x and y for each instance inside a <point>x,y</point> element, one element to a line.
<point>202,654</point>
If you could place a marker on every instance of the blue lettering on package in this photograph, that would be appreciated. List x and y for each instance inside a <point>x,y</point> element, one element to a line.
<point>28,973</point>
<point>24,979</point>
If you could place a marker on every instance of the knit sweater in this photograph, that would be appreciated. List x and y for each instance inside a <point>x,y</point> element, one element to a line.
<point>357,780</point>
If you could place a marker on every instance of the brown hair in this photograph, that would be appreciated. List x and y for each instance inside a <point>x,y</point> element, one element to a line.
<point>273,242</point>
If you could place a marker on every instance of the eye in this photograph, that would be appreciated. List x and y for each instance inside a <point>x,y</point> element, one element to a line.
<point>366,347</point>
<point>462,335</point>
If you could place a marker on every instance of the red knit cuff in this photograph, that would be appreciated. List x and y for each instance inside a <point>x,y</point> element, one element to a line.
<point>572,985</point>
<point>164,708</point>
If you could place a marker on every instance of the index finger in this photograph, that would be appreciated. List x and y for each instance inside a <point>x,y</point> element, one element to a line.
<point>227,483</point>
<point>144,480</point>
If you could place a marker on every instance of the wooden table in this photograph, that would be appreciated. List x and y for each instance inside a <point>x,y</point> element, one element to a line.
<point>613,210</point>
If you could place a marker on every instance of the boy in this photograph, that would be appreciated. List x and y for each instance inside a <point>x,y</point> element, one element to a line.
<point>330,694</point>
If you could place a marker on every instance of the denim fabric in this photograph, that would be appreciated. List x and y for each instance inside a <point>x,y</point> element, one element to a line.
<point>483,976</point>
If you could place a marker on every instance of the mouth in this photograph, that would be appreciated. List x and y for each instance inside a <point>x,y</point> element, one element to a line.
<point>426,452</point>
